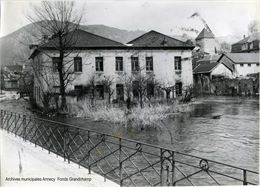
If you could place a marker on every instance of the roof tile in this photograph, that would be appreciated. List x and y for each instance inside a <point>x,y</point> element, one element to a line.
<point>156,39</point>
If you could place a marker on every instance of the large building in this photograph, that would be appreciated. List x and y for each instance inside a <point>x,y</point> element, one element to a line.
<point>96,58</point>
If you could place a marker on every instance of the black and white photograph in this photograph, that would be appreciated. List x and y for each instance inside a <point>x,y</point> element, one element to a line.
<point>129,93</point>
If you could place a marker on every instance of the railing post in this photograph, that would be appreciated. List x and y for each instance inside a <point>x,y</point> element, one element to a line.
<point>173,168</point>
<point>24,130</point>
<point>64,143</point>
<point>161,170</point>
<point>1,118</point>
<point>8,122</point>
<point>120,162</point>
<point>89,168</point>
<point>49,142</point>
<point>244,177</point>
<point>15,122</point>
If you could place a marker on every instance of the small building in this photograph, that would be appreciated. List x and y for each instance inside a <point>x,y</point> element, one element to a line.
<point>214,67</point>
<point>96,59</point>
<point>228,74</point>
<point>11,77</point>
<point>248,44</point>
<point>244,63</point>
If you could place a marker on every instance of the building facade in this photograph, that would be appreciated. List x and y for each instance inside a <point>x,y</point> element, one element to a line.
<point>248,44</point>
<point>96,60</point>
<point>244,63</point>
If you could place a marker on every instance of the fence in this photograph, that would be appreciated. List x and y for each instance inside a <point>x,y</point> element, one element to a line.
<point>125,161</point>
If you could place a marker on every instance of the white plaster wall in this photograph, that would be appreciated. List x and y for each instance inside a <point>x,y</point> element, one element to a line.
<point>163,65</point>
<point>243,71</point>
<point>222,70</point>
<point>208,45</point>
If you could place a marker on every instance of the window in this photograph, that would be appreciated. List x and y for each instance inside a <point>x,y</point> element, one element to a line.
<point>177,63</point>
<point>99,64</point>
<point>149,63</point>
<point>135,64</point>
<point>55,62</point>
<point>251,45</point>
<point>119,63</point>
<point>244,46</point>
<point>241,65</point>
<point>78,89</point>
<point>150,89</point>
<point>257,64</point>
<point>178,88</point>
<point>120,92</point>
<point>135,88</point>
<point>77,64</point>
<point>100,91</point>
<point>249,65</point>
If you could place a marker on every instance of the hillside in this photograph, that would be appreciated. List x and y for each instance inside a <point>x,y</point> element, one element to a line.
<point>14,47</point>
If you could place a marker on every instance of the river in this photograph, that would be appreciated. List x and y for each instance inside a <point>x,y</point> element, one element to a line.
<point>224,129</point>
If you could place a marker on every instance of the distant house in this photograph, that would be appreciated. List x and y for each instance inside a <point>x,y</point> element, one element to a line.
<point>248,44</point>
<point>244,63</point>
<point>207,42</point>
<point>212,67</point>
<point>11,76</point>
<point>164,57</point>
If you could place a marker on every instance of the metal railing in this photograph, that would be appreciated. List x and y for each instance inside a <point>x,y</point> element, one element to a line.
<point>124,161</point>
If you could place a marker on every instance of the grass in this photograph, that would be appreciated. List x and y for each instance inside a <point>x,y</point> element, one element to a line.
<point>147,117</point>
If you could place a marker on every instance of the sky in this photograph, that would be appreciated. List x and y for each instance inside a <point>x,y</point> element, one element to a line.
<point>224,17</point>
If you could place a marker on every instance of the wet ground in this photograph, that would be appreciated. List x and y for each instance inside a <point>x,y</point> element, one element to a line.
<point>225,129</point>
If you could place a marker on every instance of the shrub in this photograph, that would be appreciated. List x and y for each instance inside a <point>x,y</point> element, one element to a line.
<point>147,117</point>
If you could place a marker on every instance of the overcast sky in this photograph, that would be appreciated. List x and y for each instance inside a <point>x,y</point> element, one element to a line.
<point>168,16</point>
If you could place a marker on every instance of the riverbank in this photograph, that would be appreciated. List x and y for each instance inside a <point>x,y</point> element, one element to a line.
<point>20,167</point>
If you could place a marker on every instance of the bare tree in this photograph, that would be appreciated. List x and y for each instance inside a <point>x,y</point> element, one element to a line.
<point>225,47</point>
<point>137,84</point>
<point>107,82</point>
<point>167,87</point>
<point>253,27</point>
<point>58,21</point>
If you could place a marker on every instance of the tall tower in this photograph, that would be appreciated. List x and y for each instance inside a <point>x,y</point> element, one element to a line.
<point>206,41</point>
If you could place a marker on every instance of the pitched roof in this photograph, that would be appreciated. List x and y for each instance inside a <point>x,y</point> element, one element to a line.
<point>209,59</point>
<point>239,58</point>
<point>80,39</point>
<point>205,34</point>
<point>253,37</point>
<point>205,67</point>
<point>86,40</point>
<point>156,39</point>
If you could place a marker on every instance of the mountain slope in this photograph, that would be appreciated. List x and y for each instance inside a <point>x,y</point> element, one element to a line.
<point>14,47</point>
